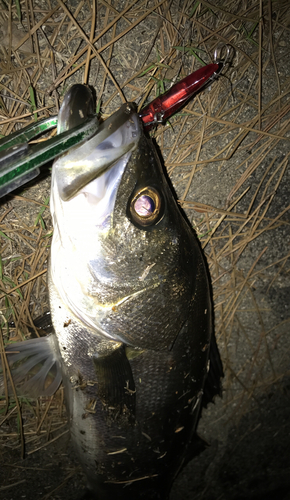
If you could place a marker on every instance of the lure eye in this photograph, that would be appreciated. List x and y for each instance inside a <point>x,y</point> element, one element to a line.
<point>145,207</point>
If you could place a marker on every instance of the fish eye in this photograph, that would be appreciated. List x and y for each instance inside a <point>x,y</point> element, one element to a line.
<point>146,207</point>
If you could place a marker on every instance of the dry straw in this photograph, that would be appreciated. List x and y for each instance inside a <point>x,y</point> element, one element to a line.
<point>232,127</point>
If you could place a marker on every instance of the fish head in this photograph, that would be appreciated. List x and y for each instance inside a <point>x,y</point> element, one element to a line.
<point>122,258</point>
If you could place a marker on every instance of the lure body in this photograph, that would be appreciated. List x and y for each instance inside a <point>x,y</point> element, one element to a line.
<point>169,103</point>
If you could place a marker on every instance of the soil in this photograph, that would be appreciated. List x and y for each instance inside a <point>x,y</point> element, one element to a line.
<point>248,429</point>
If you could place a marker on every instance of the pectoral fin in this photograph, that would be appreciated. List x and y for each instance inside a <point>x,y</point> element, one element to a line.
<point>34,367</point>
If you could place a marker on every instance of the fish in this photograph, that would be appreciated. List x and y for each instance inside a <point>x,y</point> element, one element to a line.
<point>131,308</point>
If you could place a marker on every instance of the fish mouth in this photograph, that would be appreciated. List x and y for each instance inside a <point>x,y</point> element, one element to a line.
<point>85,184</point>
<point>116,137</point>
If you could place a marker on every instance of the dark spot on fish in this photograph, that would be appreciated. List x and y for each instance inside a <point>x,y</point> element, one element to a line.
<point>66,323</point>
<point>64,348</point>
<point>82,432</point>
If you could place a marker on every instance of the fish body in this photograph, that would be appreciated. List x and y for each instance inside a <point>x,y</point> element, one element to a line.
<point>131,309</point>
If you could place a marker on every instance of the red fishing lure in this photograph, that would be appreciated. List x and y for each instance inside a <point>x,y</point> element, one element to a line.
<point>167,104</point>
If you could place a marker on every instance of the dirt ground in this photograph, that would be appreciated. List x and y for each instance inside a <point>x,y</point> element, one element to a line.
<point>233,183</point>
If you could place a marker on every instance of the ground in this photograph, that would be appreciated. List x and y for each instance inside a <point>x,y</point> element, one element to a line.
<point>231,175</point>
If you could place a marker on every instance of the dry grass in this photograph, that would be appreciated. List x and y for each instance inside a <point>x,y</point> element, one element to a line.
<point>238,128</point>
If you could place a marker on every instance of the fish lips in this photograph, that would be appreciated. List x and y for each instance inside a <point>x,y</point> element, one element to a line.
<point>77,106</point>
<point>118,135</point>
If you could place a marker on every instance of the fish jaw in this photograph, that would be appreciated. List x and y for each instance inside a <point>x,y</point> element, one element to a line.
<point>114,138</point>
<point>79,220</point>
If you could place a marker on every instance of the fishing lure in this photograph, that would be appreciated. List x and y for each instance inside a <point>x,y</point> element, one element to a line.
<point>164,106</point>
<point>169,103</point>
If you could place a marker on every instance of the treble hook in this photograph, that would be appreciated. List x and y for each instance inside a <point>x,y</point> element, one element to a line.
<point>220,60</point>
